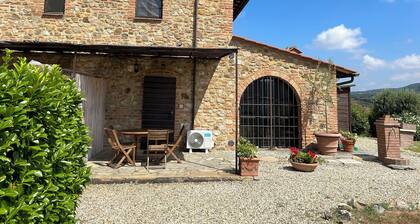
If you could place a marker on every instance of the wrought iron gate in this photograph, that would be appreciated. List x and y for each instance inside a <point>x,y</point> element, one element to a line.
<point>269,114</point>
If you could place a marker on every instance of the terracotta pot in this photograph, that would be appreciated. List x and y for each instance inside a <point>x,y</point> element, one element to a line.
<point>304,167</point>
<point>327,143</point>
<point>248,167</point>
<point>348,145</point>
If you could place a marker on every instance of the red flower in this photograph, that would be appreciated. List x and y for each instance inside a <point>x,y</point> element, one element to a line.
<point>312,155</point>
<point>294,150</point>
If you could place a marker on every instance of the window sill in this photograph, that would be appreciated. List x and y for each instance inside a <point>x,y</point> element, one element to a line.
<point>53,15</point>
<point>147,19</point>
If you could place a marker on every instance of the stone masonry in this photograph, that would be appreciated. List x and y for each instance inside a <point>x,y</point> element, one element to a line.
<point>407,133</point>
<point>113,23</point>
<point>258,60</point>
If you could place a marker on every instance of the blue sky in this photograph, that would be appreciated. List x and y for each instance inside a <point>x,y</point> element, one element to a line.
<point>378,38</point>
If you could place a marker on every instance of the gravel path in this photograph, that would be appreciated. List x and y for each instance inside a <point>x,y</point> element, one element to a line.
<point>279,196</point>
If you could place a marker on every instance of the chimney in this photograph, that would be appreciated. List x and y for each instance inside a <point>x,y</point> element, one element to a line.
<point>293,50</point>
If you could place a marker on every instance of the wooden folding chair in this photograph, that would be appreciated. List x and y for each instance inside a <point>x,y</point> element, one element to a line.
<point>157,143</point>
<point>170,151</point>
<point>121,150</point>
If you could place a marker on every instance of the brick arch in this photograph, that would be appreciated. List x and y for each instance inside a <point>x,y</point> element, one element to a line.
<point>251,78</point>
<point>243,84</point>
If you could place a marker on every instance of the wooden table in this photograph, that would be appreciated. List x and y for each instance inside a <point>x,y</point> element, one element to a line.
<point>137,134</point>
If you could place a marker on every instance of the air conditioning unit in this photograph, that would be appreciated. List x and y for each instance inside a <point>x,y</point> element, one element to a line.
<point>200,139</point>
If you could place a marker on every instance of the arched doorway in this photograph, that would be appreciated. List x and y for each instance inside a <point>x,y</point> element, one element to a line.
<point>270,113</point>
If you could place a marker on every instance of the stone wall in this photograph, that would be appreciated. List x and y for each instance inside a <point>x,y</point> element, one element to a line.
<point>258,60</point>
<point>124,89</point>
<point>215,86</point>
<point>113,23</point>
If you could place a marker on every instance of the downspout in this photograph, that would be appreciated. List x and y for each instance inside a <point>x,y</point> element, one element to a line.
<point>194,45</point>
<point>346,82</point>
<point>236,112</point>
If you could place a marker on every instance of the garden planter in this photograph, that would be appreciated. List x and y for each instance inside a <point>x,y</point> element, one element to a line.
<point>348,145</point>
<point>304,167</point>
<point>248,167</point>
<point>327,143</point>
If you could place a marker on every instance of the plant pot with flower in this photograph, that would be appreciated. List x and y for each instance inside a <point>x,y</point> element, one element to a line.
<point>248,161</point>
<point>303,160</point>
<point>349,140</point>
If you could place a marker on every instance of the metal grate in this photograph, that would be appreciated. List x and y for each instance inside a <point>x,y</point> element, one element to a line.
<point>269,114</point>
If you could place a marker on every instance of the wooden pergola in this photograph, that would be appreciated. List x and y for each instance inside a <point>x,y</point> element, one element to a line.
<point>137,51</point>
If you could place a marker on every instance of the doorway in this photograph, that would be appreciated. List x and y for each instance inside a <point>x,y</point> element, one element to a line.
<point>270,114</point>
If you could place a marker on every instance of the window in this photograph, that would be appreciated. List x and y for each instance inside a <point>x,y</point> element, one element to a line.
<point>149,8</point>
<point>54,6</point>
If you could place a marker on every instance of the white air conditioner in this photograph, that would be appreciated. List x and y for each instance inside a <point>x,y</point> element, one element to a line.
<point>200,139</point>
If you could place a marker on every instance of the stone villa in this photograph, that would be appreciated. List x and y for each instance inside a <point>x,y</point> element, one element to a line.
<point>163,63</point>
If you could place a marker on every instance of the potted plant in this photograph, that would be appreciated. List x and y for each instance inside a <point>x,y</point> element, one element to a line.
<point>248,162</point>
<point>348,139</point>
<point>303,160</point>
<point>320,85</point>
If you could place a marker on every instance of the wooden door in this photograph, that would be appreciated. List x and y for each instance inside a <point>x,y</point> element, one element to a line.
<point>159,96</point>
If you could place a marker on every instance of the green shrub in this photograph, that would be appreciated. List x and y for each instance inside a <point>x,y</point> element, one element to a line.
<point>246,149</point>
<point>43,144</point>
<point>349,136</point>
<point>394,103</point>
<point>359,119</point>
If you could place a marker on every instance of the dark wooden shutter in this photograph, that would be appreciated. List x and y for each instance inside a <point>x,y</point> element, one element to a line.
<point>159,97</point>
<point>344,109</point>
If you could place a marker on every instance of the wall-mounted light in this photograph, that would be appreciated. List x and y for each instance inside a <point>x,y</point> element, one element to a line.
<point>136,67</point>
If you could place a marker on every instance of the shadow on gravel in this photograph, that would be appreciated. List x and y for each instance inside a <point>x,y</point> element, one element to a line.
<point>368,157</point>
<point>288,168</point>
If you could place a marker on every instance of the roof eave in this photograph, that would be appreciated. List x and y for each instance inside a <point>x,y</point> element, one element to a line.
<point>238,10</point>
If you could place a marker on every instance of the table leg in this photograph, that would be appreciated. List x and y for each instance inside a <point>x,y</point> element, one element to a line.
<point>136,138</point>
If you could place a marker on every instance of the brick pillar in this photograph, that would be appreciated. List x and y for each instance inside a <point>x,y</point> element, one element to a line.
<point>388,134</point>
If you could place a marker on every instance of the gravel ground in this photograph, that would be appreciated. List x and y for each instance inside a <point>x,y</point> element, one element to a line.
<point>279,196</point>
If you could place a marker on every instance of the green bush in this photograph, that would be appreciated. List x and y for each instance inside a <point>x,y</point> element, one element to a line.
<point>394,103</point>
<point>359,119</point>
<point>43,144</point>
<point>246,149</point>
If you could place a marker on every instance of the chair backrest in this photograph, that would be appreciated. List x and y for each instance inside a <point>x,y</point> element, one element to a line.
<point>112,137</point>
<point>157,136</point>
<point>180,136</point>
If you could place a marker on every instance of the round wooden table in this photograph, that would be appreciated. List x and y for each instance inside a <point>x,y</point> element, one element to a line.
<point>137,134</point>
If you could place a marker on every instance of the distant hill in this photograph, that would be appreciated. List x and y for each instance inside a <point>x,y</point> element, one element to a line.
<point>365,97</point>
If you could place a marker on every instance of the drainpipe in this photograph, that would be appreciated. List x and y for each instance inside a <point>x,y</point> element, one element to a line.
<point>236,112</point>
<point>347,82</point>
<point>194,45</point>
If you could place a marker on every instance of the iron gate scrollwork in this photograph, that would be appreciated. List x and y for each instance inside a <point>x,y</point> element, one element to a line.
<point>270,113</point>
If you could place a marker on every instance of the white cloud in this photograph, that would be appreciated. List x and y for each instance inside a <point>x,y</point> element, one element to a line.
<point>408,62</point>
<point>407,77</point>
<point>341,38</point>
<point>372,63</point>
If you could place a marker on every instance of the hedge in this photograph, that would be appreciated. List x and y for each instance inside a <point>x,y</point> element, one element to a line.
<point>394,102</point>
<point>43,144</point>
<point>359,119</point>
